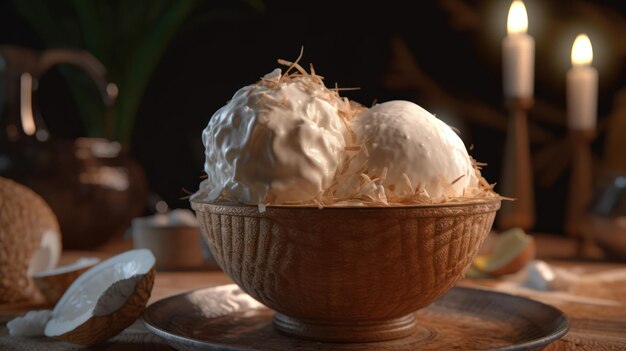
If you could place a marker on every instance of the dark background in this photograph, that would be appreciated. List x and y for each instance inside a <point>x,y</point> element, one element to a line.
<point>453,45</point>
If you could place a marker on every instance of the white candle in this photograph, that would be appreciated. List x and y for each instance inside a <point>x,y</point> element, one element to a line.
<point>582,86</point>
<point>518,54</point>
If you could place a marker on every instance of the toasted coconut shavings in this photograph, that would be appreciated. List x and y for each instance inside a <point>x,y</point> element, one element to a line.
<point>353,170</point>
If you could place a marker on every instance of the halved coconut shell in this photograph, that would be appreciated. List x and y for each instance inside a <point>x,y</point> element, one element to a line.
<point>512,252</point>
<point>54,282</point>
<point>517,262</point>
<point>30,240</point>
<point>105,300</point>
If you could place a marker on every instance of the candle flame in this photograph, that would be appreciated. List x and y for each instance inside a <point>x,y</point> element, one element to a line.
<point>517,21</point>
<point>582,52</point>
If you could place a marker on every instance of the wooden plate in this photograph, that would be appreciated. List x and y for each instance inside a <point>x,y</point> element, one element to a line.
<point>226,318</point>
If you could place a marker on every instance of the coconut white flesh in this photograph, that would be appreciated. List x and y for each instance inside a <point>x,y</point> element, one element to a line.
<point>79,264</point>
<point>29,325</point>
<point>101,290</point>
<point>48,254</point>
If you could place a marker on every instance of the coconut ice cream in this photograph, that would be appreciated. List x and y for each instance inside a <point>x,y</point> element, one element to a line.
<point>281,141</point>
<point>289,140</point>
<point>414,151</point>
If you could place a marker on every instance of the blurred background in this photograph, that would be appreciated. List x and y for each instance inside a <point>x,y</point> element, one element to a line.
<point>101,153</point>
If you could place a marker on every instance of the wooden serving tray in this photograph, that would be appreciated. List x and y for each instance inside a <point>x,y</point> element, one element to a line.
<point>226,318</point>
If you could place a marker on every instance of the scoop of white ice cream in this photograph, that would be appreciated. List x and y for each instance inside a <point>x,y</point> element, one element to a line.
<point>277,141</point>
<point>403,138</point>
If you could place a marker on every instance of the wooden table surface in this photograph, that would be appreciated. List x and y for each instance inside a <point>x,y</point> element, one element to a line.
<point>593,327</point>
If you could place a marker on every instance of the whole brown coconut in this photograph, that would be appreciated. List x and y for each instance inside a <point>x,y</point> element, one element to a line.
<point>29,240</point>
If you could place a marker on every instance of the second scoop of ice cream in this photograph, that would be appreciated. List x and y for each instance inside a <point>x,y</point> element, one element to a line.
<point>414,151</point>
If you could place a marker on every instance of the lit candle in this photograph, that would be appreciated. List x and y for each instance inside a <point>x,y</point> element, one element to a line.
<point>518,54</point>
<point>582,87</point>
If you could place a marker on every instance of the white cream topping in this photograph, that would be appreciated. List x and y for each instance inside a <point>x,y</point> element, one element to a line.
<point>277,141</point>
<point>402,139</point>
<point>30,325</point>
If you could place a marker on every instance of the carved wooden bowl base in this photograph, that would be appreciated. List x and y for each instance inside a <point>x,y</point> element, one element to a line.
<point>366,331</point>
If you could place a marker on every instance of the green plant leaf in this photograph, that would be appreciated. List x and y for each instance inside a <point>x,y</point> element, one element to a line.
<point>129,37</point>
<point>143,61</point>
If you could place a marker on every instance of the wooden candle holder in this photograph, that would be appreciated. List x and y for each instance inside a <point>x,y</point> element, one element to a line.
<point>517,179</point>
<point>580,188</point>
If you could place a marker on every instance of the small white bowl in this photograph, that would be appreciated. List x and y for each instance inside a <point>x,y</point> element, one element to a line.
<point>177,245</point>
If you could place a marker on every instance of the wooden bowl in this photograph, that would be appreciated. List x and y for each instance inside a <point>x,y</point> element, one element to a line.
<point>346,274</point>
